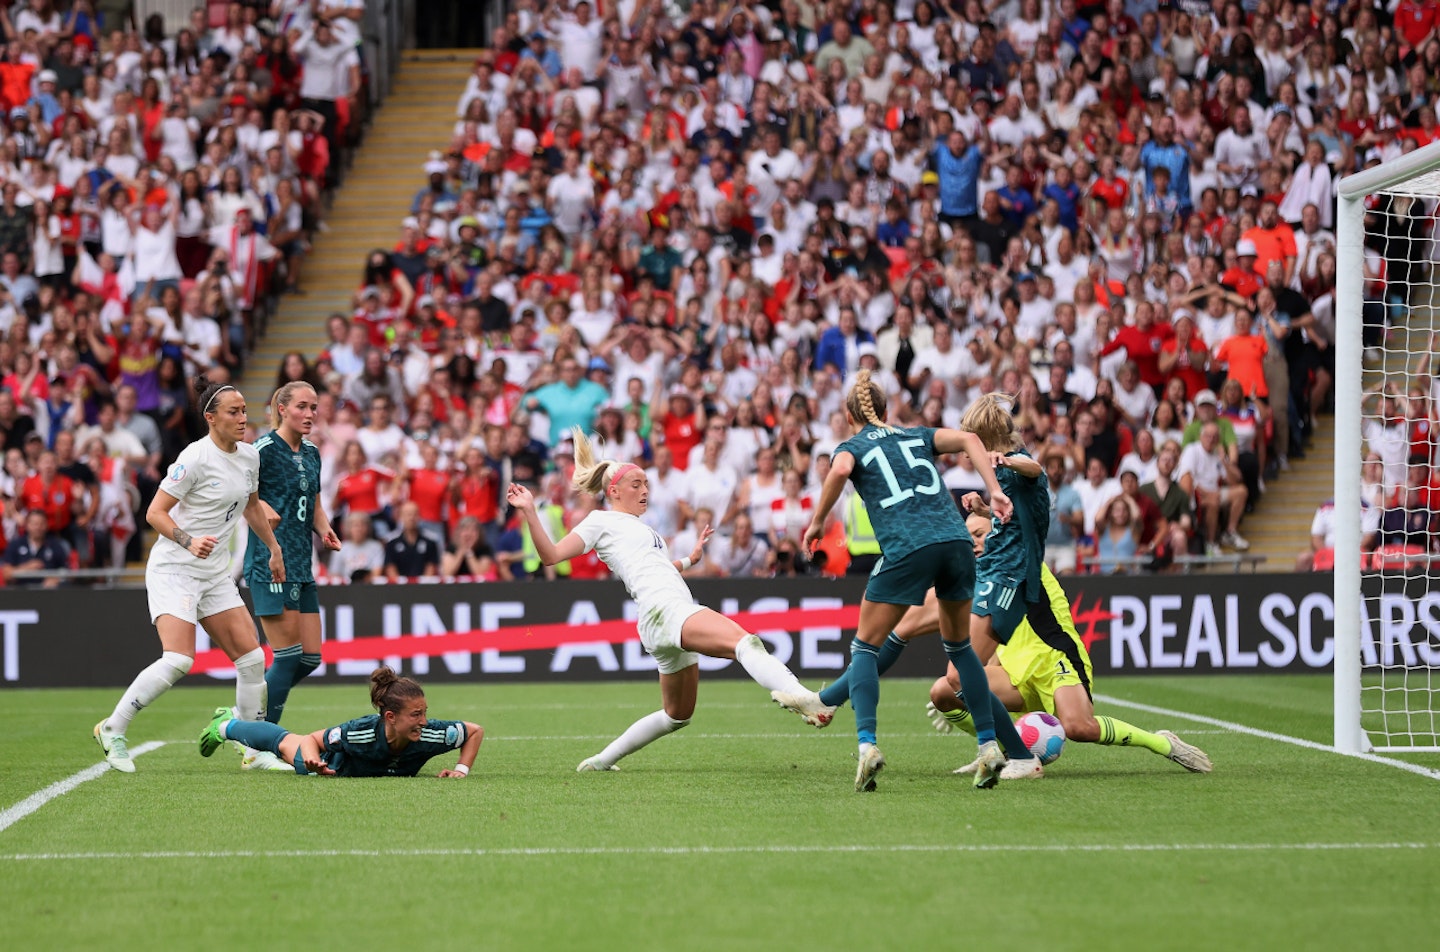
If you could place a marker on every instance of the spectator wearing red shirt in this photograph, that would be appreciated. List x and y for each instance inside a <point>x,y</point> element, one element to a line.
<point>51,493</point>
<point>428,488</point>
<point>1185,356</point>
<point>1244,357</point>
<point>1415,21</point>
<point>1242,278</point>
<point>682,425</point>
<point>362,484</point>
<point>475,492</point>
<point>1141,342</point>
<point>1274,240</point>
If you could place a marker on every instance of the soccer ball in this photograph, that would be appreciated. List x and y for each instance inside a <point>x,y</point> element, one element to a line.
<point>1043,734</point>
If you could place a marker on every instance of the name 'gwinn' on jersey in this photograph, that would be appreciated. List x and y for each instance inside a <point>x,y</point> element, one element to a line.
<point>636,556</point>
<point>1017,548</point>
<point>358,748</point>
<point>908,504</point>
<point>212,487</point>
<point>289,481</point>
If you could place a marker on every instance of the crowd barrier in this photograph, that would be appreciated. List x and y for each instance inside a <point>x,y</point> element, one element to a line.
<point>584,631</point>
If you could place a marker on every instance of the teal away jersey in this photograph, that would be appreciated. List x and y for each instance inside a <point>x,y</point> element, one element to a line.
<point>288,482</point>
<point>1018,547</point>
<point>895,475</point>
<point>358,748</point>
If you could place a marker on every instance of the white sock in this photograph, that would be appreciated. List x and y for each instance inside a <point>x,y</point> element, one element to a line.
<point>250,686</point>
<point>147,686</point>
<point>761,665</point>
<point>647,730</point>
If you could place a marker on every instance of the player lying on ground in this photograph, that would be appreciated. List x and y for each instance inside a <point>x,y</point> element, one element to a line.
<point>396,742</point>
<point>1045,667</point>
<point>673,629</point>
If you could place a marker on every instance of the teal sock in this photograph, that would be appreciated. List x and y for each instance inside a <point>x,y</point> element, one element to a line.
<point>279,679</point>
<point>974,688</point>
<point>1006,732</point>
<point>838,693</point>
<point>864,688</point>
<point>308,663</point>
<point>257,735</point>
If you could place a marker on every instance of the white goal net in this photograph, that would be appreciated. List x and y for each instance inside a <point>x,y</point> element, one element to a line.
<point>1387,482</point>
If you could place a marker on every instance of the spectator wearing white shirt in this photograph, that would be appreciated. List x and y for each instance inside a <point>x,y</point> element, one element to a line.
<point>331,74</point>
<point>1206,473</point>
<point>581,40</point>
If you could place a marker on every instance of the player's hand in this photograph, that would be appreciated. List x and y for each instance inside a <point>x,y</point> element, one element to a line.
<point>1001,506</point>
<point>937,720</point>
<point>812,537</point>
<point>310,754</point>
<point>999,461</point>
<point>277,565</point>
<point>272,518</point>
<point>974,503</point>
<point>519,498</point>
<point>451,775</point>
<point>203,546</point>
<point>698,552</point>
<point>330,540</point>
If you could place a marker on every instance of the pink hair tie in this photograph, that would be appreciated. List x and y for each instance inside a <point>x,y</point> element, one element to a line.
<point>619,473</point>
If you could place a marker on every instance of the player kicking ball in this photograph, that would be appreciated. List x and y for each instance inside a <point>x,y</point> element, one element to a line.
<point>395,742</point>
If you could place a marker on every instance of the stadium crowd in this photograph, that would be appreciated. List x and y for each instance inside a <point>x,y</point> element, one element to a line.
<point>680,227</point>
<point>156,194</point>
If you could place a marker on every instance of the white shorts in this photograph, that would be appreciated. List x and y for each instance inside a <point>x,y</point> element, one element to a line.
<point>660,628</point>
<point>188,598</point>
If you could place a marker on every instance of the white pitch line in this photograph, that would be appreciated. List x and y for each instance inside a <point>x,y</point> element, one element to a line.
<point>1270,735</point>
<point>526,851</point>
<point>35,801</point>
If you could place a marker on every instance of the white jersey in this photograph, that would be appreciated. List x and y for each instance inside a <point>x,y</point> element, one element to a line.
<point>636,556</point>
<point>212,487</point>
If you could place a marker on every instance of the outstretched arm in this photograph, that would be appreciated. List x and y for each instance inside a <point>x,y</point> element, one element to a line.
<point>841,466</point>
<point>961,441</point>
<point>551,553</point>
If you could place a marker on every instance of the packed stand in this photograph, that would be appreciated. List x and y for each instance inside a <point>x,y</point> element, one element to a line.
<point>683,231</point>
<point>156,194</point>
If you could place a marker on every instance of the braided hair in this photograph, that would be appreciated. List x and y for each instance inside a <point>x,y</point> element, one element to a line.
<point>866,401</point>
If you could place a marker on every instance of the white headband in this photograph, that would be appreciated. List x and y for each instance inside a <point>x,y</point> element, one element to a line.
<point>211,401</point>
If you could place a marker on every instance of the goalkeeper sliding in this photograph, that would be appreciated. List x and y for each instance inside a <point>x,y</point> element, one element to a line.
<point>1043,667</point>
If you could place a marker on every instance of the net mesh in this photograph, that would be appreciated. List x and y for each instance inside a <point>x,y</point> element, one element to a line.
<point>1400,513</point>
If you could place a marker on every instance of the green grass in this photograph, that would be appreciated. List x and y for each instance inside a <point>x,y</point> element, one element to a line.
<point>1233,858</point>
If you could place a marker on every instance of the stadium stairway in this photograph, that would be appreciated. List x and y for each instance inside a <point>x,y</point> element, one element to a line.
<point>375,196</point>
<point>1279,528</point>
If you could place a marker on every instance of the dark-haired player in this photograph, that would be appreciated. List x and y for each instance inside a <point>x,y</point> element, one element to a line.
<point>397,741</point>
<point>207,491</point>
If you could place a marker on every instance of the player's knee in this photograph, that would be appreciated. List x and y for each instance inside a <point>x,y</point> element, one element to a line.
<point>675,723</point>
<point>750,643</point>
<point>179,662</point>
<point>942,695</point>
<point>1082,730</point>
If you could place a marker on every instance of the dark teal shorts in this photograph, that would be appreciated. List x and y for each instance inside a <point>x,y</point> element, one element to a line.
<point>948,567</point>
<point>1002,598</point>
<point>271,599</point>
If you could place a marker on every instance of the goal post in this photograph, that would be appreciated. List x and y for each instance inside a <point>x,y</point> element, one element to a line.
<point>1386,660</point>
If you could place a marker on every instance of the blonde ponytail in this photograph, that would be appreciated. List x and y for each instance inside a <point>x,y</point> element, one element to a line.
<point>591,475</point>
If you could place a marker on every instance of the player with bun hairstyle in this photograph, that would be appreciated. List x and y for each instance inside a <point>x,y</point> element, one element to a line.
<point>211,486</point>
<point>395,742</point>
<point>923,544</point>
<point>289,611</point>
<point>673,629</point>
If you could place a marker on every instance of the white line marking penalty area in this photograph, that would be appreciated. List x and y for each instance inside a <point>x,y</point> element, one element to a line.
<point>12,815</point>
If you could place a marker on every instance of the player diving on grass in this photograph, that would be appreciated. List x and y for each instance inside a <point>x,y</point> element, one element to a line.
<point>395,742</point>
<point>923,545</point>
<point>1043,667</point>
<point>289,612</point>
<point>207,491</point>
<point>673,629</point>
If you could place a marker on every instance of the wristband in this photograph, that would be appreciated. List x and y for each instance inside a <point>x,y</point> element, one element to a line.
<point>461,769</point>
<point>685,563</point>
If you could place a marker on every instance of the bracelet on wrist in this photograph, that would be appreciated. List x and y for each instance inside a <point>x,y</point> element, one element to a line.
<point>461,769</point>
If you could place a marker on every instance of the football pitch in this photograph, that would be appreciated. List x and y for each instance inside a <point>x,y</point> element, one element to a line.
<point>740,832</point>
